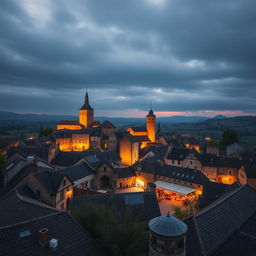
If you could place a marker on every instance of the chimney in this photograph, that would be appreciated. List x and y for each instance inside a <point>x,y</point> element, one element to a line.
<point>43,236</point>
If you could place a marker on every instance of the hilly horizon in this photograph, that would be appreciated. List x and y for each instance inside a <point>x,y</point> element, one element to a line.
<point>7,116</point>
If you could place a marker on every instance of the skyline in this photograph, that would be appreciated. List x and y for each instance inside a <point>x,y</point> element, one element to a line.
<point>193,59</point>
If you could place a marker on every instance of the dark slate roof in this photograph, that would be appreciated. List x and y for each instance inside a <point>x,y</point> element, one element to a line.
<point>51,180</point>
<point>148,165</point>
<point>174,142</point>
<point>69,122</point>
<point>107,125</point>
<point>250,169</point>
<point>95,132</point>
<point>220,220</point>
<point>24,172</point>
<point>193,243</point>
<point>66,133</point>
<point>41,151</point>
<point>180,173</point>
<point>242,242</point>
<point>151,113</point>
<point>138,129</point>
<point>178,153</point>
<point>159,151</point>
<point>77,172</point>
<point>214,161</point>
<point>70,158</point>
<point>86,106</point>
<point>125,172</point>
<point>143,205</point>
<point>72,238</point>
<point>132,138</point>
<point>16,208</point>
<point>213,191</point>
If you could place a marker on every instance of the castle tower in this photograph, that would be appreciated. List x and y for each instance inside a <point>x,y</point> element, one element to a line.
<point>167,236</point>
<point>86,113</point>
<point>151,125</point>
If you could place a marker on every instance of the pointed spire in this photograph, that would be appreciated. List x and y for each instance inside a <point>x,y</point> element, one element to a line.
<point>86,98</point>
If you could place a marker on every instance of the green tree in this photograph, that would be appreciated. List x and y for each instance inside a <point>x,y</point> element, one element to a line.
<point>229,137</point>
<point>45,132</point>
<point>3,162</point>
<point>119,235</point>
<point>186,211</point>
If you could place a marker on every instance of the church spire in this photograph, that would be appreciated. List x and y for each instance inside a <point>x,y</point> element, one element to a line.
<point>86,98</point>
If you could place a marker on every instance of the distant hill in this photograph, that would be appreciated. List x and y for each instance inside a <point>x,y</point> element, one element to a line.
<point>116,120</point>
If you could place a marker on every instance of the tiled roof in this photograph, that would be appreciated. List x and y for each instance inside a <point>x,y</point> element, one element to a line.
<point>215,161</point>
<point>70,158</point>
<point>72,238</point>
<point>220,220</point>
<point>125,172</point>
<point>51,180</point>
<point>178,153</point>
<point>180,173</point>
<point>213,191</point>
<point>107,125</point>
<point>16,208</point>
<point>69,122</point>
<point>143,205</point>
<point>77,172</point>
<point>138,129</point>
<point>66,133</point>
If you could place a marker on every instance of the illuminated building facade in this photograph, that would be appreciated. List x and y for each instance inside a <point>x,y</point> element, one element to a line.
<point>80,135</point>
<point>136,139</point>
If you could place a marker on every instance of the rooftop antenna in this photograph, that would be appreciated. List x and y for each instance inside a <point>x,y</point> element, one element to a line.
<point>151,105</point>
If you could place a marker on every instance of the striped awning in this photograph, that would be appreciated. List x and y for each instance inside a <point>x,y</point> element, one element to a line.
<point>177,188</point>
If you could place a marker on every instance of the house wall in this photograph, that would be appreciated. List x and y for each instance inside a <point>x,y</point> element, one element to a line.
<point>192,162</point>
<point>125,182</point>
<point>242,176</point>
<point>125,151</point>
<point>112,143</point>
<point>69,127</point>
<point>65,191</point>
<point>36,186</point>
<point>104,170</point>
<point>84,182</point>
<point>210,172</point>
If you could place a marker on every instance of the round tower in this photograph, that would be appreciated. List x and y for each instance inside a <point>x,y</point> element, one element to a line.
<point>151,125</point>
<point>86,113</point>
<point>167,236</point>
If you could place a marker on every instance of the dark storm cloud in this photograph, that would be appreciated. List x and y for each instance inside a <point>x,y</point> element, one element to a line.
<point>182,55</point>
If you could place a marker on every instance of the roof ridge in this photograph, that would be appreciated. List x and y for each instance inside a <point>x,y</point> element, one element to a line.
<point>35,202</point>
<point>32,220</point>
<point>222,200</point>
<point>198,235</point>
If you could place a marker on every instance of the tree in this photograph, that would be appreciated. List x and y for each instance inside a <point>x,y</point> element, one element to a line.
<point>118,234</point>
<point>45,132</point>
<point>190,208</point>
<point>3,162</point>
<point>229,137</point>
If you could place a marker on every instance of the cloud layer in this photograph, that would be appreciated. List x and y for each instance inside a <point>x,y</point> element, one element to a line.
<point>191,57</point>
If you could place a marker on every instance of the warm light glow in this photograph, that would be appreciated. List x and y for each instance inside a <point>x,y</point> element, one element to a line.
<point>69,127</point>
<point>139,183</point>
<point>228,179</point>
<point>69,193</point>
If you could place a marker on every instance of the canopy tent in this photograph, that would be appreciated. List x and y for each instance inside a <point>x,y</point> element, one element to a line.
<point>184,190</point>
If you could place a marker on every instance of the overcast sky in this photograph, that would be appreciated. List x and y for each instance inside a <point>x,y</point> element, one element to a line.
<point>189,57</point>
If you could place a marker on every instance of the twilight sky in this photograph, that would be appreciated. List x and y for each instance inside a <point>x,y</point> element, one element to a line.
<point>189,57</point>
